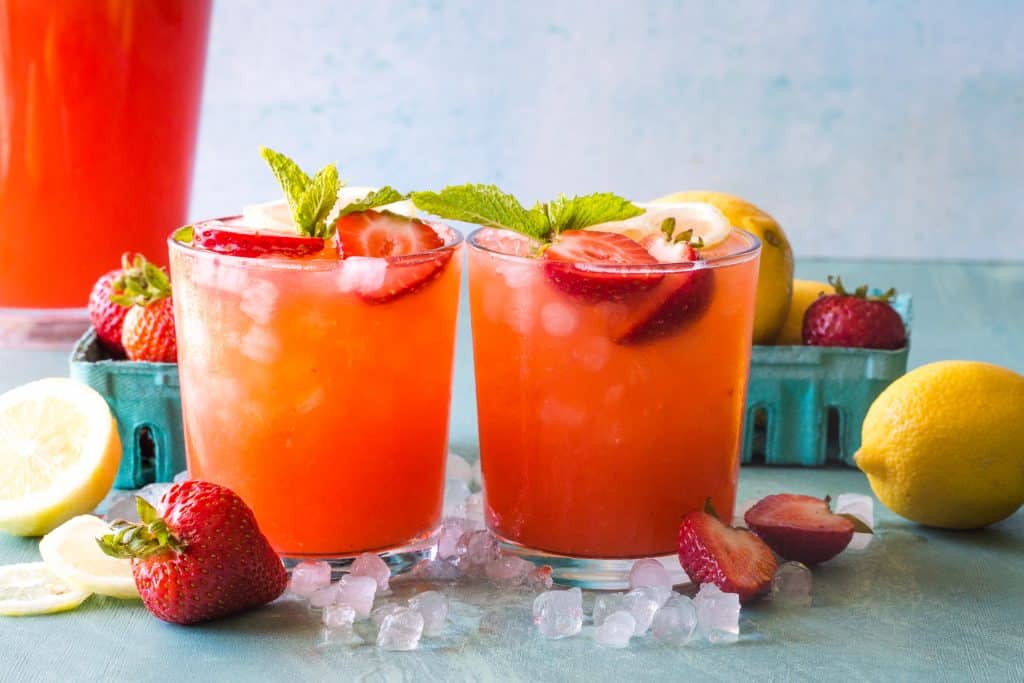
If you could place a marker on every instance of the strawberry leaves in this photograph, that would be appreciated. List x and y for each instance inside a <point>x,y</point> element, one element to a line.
<point>148,537</point>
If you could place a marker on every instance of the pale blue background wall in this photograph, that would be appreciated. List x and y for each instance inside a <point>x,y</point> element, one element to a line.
<point>891,129</point>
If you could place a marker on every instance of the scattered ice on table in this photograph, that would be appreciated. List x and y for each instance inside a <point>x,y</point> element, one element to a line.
<point>400,630</point>
<point>475,507</point>
<point>435,570</point>
<point>642,603</point>
<point>508,571</point>
<point>357,591</point>
<point>675,621</point>
<point>606,604</point>
<point>452,529</point>
<point>791,585</point>
<point>456,492</point>
<point>370,564</point>
<point>862,507</point>
<point>741,509</point>
<point>718,614</point>
<point>378,613</point>
<point>181,476</point>
<point>649,572</point>
<point>322,597</point>
<point>478,477</point>
<point>338,616</point>
<point>540,578</point>
<point>123,507</point>
<point>474,550</point>
<point>559,614</point>
<point>458,468</point>
<point>339,636</point>
<point>616,630</point>
<point>309,577</point>
<point>433,607</point>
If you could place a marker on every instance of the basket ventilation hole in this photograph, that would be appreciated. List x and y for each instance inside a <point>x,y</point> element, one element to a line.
<point>145,446</point>
<point>759,436</point>
<point>833,427</point>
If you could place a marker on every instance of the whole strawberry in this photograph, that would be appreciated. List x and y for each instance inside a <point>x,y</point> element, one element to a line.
<point>148,330</point>
<point>107,316</point>
<point>200,557</point>
<point>854,320</point>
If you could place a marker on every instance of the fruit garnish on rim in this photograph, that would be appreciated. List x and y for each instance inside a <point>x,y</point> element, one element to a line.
<point>702,225</point>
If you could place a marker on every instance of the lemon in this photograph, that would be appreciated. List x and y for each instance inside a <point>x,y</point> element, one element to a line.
<point>276,215</point>
<point>941,446</point>
<point>701,219</point>
<point>71,552</point>
<point>32,588</point>
<point>804,294</point>
<point>59,453</point>
<point>775,279</point>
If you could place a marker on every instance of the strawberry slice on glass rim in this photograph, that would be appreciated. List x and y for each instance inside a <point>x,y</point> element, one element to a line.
<point>585,264</point>
<point>224,237</point>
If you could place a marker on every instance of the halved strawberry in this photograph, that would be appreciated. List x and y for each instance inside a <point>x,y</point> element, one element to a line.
<point>570,259</point>
<point>238,240</point>
<point>406,244</point>
<point>735,560</point>
<point>801,528</point>
<point>679,299</point>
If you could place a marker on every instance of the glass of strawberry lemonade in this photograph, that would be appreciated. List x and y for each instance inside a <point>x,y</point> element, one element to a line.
<point>316,368</point>
<point>611,371</point>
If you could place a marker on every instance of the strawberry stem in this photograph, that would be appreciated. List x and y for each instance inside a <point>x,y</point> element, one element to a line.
<point>861,292</point>
<point>141,283</point>
<point>148,537</point>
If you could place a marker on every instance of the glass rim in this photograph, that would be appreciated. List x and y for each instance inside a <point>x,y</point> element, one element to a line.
<point>286,263</point>
<point>740,256</point>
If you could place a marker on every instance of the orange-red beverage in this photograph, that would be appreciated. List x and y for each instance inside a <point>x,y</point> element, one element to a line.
<point>326,412</point>
<point>601,423</point>
<point>99,104</point>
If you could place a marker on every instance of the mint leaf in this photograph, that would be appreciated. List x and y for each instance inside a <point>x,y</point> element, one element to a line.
<point>316,202</point>
<point>183,234</point>
<point>382,197</point>
<point>293,179</point>
<point>485,205</point>
<point>576,213</point>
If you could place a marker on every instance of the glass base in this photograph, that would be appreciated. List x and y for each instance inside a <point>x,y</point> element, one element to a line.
<point>590,572</point>
<point>42,328</point>
<point>400,560</point>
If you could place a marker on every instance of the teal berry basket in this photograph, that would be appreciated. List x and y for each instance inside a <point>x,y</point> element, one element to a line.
<point>806,404</point>
<point>145,401</point>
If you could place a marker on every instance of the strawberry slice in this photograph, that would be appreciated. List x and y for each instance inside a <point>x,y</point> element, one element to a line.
<point>238,240</point>
<point>802,528</point>
<point>735,560</point>
<point>569,259</point>
<point>678,300</point>
<point>406,245</point>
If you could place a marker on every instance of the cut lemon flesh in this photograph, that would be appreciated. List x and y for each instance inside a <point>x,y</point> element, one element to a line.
<point>705,220</point>
<point>276,216</point>
<point>70,551</point>
<point>31,588</point>
<point>59,454</point>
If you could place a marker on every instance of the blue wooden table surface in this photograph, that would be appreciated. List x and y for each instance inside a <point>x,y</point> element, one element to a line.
<point>917,604</point>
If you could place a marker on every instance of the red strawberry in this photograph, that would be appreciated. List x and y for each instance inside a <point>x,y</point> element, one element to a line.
<point>854,320</point>
<point>569,261</point>
<point>735,560</point>
<point>802,528</point>
<point>107,317</point>
<point>240,241</point>
<point>200,557</point>
<point>407,244</point>
<point>679,299</point>
<point>148,333</point>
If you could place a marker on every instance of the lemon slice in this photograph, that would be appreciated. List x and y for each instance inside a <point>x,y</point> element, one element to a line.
<point>276,216</point>
<point>706,221</point>
<point>32,588</point>
<point>59,454</point>
<point>70,551</point>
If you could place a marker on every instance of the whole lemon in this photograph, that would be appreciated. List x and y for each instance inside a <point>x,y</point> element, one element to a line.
<point>775,279</point>
<point>804,294</point>
<point>944,444</point>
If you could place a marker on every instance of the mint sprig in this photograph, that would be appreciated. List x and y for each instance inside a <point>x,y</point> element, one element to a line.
<point>488,206</point>
<point>316,202</point>
<point>376,199</point>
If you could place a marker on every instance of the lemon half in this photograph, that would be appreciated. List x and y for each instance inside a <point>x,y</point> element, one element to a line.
<point>59,454</point>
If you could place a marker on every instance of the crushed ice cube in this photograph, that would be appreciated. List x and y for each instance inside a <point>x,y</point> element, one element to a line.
<point>649,572</point>
<point>475,507</point>
<point>718,614</point>
<point>616,630</point>
<point>791,585</point>
<point>456,492</point>
<point>338,616</point>
<point>362,274</point>
<point>181,476</point>
<point>605,605</point>
<point>322,597</point>
<point>124,506</point>
<point>261,344</point>
<point>508,571</point>
<point>345,636</point>
<point>458,468</point>
<point>258,301</point>
<point>357,591</point>
<point>541,578</point>
<point>400,630</point>
<point>559,319</point>
<point>452,529</point>
<point>862,507</point>
<point>433,607</point>
<point>642,603</point>
<point>370,564</point>
<point>379,613</point>
<point>675,621</point>
<point>436,570</point>
<point>309,577</point>
<point>475,549</point>
<point>740,510</point>
<point>559,614</point>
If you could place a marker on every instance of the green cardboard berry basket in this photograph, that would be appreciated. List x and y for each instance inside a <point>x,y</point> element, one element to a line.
<point>146,402</point>
<point>806,404</point>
